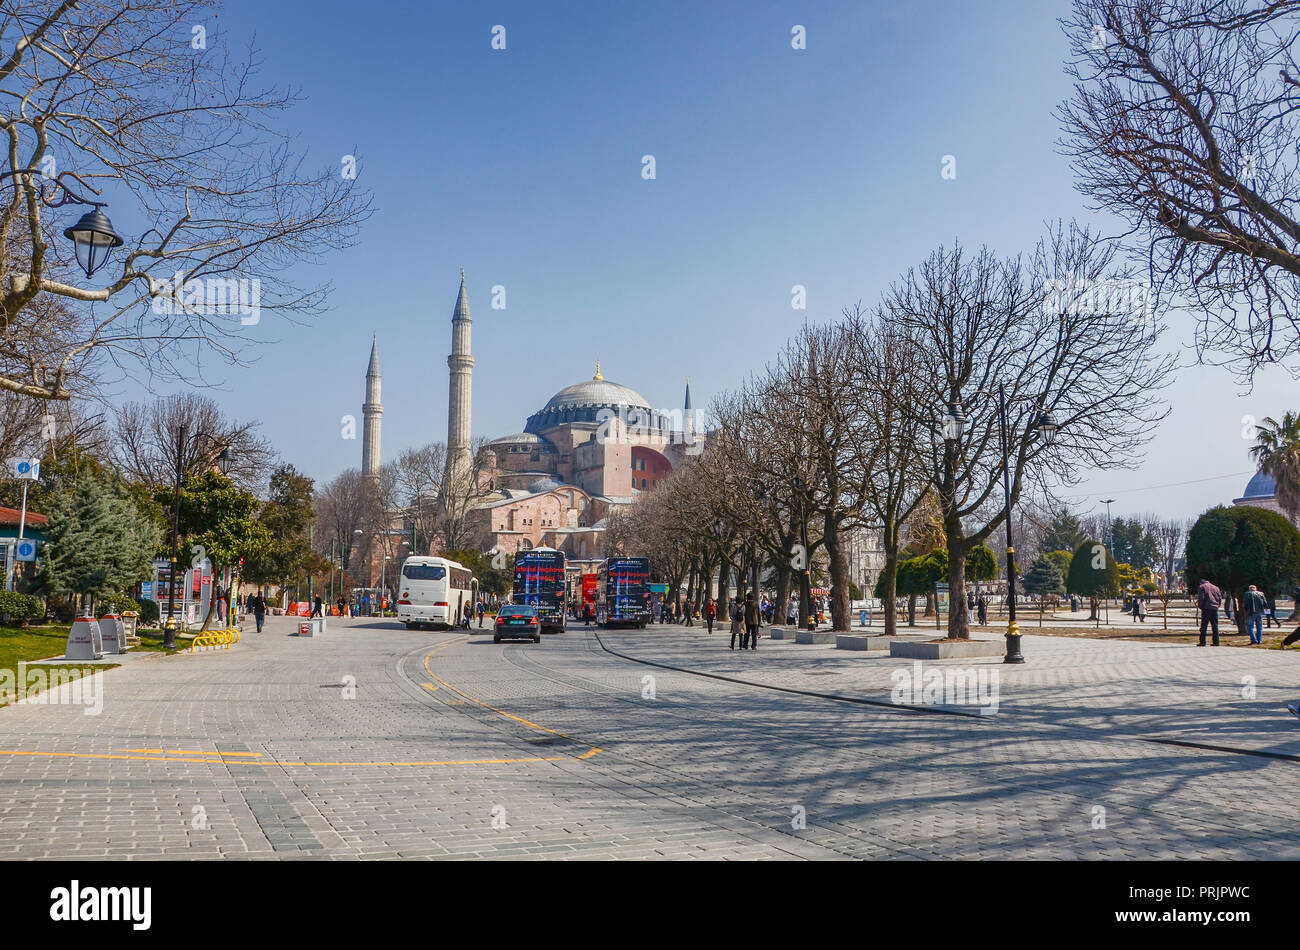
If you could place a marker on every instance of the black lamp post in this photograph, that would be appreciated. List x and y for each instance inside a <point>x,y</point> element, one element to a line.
<point>954,425</point>
<point>183,446</point>
<point>93,237</point>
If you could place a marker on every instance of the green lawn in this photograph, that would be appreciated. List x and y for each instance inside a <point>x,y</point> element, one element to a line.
<point>24,644</point>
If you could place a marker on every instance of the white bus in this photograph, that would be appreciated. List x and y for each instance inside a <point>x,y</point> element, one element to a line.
<point>433,591</point>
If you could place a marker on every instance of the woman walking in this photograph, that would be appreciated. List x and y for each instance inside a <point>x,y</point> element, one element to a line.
<point>737,624</point>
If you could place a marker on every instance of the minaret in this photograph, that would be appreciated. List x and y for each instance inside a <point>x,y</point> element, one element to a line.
<point>372,411</point>
<point>688,414</point>
<point>461,364</point>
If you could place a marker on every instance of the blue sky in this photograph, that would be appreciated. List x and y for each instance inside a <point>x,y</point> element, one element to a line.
<point>774,167</point>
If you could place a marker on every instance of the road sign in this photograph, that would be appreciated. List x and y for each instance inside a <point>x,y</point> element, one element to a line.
<point>146,590</point>
<point>25,550</point>
<point>25,468</point>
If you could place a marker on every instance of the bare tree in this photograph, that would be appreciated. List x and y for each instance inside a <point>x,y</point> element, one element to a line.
<point>989,329</point>
<point>1184,122</point>
<point>189,430</point>
<point>1172,536</point>
<point>141,103</point>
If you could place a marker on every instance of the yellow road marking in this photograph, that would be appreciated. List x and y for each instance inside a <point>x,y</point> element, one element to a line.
<point>153,758</point>
<point>429,686</point>
<point>479,702</point>
<point>191,752</point>
<point>593,751</point>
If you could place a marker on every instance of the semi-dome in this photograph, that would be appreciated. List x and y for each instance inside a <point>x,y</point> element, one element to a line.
<point>1261,485</point>
<point>544,484</point>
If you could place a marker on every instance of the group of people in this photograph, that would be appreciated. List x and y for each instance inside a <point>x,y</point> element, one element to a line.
<point>1257,609</point>
<point>746,620</point>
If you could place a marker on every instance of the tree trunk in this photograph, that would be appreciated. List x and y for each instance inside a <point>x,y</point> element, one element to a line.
<point>889,593</point>
<point>958,616</point>
<point>783,575</point>
<point>839,565</point>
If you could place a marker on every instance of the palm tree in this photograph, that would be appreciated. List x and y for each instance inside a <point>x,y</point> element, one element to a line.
<point>1277,452</point>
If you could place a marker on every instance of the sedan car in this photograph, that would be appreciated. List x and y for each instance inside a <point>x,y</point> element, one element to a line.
<point>517,620</point>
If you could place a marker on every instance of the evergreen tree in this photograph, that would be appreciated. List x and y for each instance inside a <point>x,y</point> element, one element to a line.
<point>1043,578</point>
<point>1063,533</point>
<point>100,542</point>
<point>1093,573</point>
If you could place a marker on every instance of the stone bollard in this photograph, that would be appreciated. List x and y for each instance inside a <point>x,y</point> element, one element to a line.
<point>112,632</point>
<point>84,641</point>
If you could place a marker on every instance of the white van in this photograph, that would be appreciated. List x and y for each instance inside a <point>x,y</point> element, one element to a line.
<point>433,591</point>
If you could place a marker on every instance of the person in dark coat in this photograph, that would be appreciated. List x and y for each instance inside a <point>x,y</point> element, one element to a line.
<point>737,623</point>
<point>1209,598</point>
<point>753,619</point>
<point>257,607</point>
<point>317,608</point>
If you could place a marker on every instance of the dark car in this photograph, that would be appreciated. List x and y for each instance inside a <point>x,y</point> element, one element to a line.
<point>517,620</point>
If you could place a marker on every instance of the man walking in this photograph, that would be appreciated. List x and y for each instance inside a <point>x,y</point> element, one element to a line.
<point>317,608</point>
<point>1252,610</point>
<point>257,607</point>
<point>710,613</point>
<point>1209,598</point>
<point>737,623</point>
<point>752,621</point>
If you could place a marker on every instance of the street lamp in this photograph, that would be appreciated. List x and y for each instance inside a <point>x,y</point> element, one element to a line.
<point>93,237</point>
<point>183,447</point>
<point>1110,538</point>
<point>1044,427</point>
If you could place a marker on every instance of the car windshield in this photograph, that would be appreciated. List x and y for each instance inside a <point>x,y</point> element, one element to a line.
<point>518,611</point>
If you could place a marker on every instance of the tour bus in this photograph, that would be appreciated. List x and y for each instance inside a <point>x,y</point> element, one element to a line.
<point>433,592</point>
<point>623,592</point>
<point>539,581</point>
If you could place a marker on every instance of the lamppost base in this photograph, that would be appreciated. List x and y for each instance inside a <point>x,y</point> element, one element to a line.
<point>1013,644</point>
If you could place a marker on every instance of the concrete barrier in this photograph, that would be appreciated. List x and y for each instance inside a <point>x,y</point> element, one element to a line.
<point>84,640</point>
<point>946,649</point>
<point>112,633</point>
<point>815,636</point>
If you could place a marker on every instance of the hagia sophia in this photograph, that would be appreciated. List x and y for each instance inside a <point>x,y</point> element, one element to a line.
<point>594,446</point>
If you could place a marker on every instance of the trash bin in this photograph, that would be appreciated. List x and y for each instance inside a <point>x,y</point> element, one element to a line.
<point>307,628</point>
<point>862,618</point>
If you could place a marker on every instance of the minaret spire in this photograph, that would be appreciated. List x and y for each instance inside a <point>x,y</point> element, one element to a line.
<point>372,412</point>
<point>598,377</point>
<point>461,365</point>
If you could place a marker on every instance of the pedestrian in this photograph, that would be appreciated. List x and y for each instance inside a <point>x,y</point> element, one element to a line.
<point>1208,599</point>
<point>317,607</point>
<point>1295,634</point>
<point>482,609</point>
<point>710,612</point>
<point>792,611</point>
<point>737,623</point>
<point>753,619</point>
<point>1252,610</point>
<point>1138,610</point>
<point>982,608</point>
<point>342,606</point>
<point>1270,615</point>
<point>257,607</point>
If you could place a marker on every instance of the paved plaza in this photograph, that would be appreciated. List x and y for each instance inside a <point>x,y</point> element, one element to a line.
<point>375,742</point>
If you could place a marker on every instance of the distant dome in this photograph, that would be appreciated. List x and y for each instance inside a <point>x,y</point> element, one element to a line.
<point>1260,486</point>
<point>544,484</point>
<point>518,437</point>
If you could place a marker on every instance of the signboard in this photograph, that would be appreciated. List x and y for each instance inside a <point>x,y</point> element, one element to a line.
<point>146,590</point>
<point>25,550</point>
<point>658,588</point>
<point>25,468</point>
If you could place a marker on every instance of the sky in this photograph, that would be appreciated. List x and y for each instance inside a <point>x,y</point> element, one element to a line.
<point>773,167</point>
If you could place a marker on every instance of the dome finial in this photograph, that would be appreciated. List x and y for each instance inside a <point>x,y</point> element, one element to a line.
<point>598,376</point>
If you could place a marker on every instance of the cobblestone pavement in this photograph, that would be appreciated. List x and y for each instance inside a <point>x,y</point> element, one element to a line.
<point>375,742</point>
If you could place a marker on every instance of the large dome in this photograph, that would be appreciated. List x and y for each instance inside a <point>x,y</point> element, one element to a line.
<point>585,402</point>
<point>596,392</point>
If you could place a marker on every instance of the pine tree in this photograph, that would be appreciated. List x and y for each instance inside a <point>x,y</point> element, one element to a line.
<point>100,543</point>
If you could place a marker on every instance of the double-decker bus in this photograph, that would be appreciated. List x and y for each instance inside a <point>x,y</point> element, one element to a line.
<point>623,592</point>
<point>540,581</point>
<point>433,591</point>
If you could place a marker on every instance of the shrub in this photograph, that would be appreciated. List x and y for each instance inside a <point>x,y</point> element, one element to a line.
<point>149,612</point>
<point>117,603</point>
<point>21,607</point>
